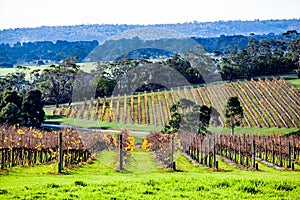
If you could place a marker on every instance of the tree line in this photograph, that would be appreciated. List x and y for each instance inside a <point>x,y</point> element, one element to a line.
<point>263,57</point>
<point>31,52</point>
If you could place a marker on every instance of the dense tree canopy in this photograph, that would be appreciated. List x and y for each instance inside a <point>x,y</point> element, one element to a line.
<point>26,110</point>
<point>32,108</point>
<point>58,81</point>
<point>261,58</point>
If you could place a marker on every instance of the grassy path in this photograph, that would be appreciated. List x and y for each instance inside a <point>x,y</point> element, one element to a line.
<point>141,162</point>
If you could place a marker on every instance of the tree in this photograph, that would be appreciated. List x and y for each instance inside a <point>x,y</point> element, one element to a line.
<point>197,120</point>
<point>10,96</point>
<point>233,113</point>
<point>15,81</point>
<point>10,107</point>
<point>293,56</point>
<point>172,127</point>
<point>194,118</point>
<point>184,67</point>
<point>105,86</point>
<point>27,111</point>
<point>120,70</point>
<point>58,81</point>
<point>10,114</point>
<point>174,124</point>
<point>32,109</point>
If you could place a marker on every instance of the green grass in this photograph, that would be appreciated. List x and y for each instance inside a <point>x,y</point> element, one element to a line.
<point>103,125</point>
<point>112,125</point>
<point>5,71</point>
<point>295,83</point>
<point>86,67</point>
<point>141,162</point>
<point>143,179</point>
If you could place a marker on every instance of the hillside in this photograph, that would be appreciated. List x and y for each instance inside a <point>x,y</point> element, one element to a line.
<point>266,103</point>
<point>29,53</point>
<point>106,31</point>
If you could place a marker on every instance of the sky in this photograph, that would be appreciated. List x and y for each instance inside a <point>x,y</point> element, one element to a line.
<point>35,13</point>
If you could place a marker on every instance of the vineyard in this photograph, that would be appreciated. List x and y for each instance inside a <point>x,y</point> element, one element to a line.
<point>146,173</point>
<point>266,103</point>
<point>245,151</point>
<point>21,146</point>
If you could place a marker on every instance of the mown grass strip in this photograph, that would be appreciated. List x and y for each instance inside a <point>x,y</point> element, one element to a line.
<point>141,161</point>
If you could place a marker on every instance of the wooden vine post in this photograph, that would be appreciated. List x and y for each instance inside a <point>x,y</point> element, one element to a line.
<point>253,151</point>
<point>2,158</point>
<point>60,153</point>
<point>289,155</point>
<point>214,154</point>
<point>280,152</point>
<point>173,164</point>
<point>121,168</point>
<point>240,152</point>
<point>273,152</point>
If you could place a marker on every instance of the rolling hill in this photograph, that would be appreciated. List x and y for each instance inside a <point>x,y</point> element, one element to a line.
<point>266,103</point>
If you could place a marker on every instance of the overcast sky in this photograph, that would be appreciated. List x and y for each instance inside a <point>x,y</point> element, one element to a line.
<point>34,13</point>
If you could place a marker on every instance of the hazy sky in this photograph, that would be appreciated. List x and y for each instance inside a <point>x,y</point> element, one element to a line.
<point>33,13</point>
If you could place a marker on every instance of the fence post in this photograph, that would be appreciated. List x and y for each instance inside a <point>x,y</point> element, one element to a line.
<point>215,160</point>
<point>209,153</point>
<point>2,158</point>
<point>220,145</point>
<point>265,146</point>
<point>289,152</point>
<point>205,152</point>
<point>280,155</point>
<point>121,151</point>
<point>229,147</point>
<point>240,152</point>
<point>193,147</point>
<point>294,148</point>
<point>273,153</point>
<point>259,146</point>
<point>60,153</point>
<point>234,149</point>
<point>245,161</point>
<point>12,157</point>
<point>197,149</point>
<point>253,149</point>
<point>173,164</point>
<point>201,158</point>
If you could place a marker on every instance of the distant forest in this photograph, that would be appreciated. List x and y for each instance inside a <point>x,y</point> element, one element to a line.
<point>38,53</point>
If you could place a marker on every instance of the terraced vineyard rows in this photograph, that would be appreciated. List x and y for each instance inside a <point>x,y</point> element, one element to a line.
<point>266,103</point>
